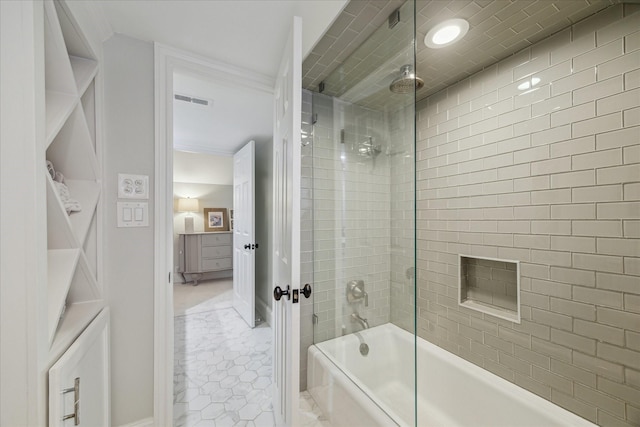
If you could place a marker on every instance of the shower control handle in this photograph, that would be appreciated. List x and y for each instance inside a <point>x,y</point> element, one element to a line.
<point>278,293</point>
<point>306,290</point>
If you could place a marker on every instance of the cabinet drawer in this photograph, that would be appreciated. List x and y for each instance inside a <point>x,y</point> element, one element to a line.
<point>216,251</point>
<point>216,239</point>
<point>217,264</point>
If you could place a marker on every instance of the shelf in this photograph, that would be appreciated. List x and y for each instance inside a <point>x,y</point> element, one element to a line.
<point>75,320</point>
<point>59,233</point>
<point>83,286</point>
<point>58,74</point>
<point>84,70</point>
<point>61,265</point>
<point>75,41</point>
<point>71,151</point>
<point>87,193</point>
<point>90,247</point>
<point>88,101</point>
<point>59,107</point>
<point>73,295</point>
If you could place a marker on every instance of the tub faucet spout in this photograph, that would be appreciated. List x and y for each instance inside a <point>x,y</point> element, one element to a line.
<point>355,318</point>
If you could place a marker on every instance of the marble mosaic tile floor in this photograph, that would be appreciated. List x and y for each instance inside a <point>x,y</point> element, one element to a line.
<point>222,371</point>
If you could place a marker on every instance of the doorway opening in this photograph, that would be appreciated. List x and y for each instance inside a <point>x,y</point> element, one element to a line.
<point>230,394</point>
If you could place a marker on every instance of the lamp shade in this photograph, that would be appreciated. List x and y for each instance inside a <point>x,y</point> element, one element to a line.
<point>187,205</point>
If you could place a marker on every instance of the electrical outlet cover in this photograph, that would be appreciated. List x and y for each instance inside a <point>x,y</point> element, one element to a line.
<point>133,186</point>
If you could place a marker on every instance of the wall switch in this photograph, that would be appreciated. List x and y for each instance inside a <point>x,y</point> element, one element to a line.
<point>133,214</point>
<point>133,186</point>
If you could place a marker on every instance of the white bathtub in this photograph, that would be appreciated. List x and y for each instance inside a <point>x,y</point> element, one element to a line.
<point>378,389</point>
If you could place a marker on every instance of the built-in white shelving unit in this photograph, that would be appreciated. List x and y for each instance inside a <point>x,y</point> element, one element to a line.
<point>77,319</point>
<point>61,265</point>
<point>73,295</point>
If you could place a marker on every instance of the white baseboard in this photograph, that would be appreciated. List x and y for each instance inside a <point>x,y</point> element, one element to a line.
<point>147,422</point>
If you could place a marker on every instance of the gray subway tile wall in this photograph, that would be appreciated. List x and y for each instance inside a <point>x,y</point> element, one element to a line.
<point>306,238</point>
<point>351,217</point>
<point>548,176</point>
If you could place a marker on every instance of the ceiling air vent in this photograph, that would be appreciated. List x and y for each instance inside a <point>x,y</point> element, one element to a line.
<point>191,99</point>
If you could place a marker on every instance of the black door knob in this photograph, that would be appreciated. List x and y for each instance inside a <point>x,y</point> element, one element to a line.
<point>247,246</point>
<point>278,293</point>
<point>306,290</point>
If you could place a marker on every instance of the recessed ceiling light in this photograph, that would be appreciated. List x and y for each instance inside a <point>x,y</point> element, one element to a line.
<point>446,33</point>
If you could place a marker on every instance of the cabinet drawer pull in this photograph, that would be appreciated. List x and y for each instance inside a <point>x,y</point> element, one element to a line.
<point>76,402</point>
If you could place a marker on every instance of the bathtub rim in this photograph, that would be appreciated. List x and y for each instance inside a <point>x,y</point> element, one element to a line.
<point>399,420</point>
<point>522,395</point>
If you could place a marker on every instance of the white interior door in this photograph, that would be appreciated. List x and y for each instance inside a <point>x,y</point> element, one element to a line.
<point>244,244</point>
<point>286,259</point>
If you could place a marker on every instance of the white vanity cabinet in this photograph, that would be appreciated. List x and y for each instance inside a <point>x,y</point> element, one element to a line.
<point>79,380</point>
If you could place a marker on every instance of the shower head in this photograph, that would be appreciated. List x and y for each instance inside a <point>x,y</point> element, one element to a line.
<point>406,82</point>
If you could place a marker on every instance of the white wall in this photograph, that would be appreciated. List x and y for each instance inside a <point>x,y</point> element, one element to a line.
<point>202,168</point>
<point>128,252</point>
<point>209,196</point>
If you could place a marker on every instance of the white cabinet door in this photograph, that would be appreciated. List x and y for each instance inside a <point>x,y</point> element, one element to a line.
<point>79,380</point>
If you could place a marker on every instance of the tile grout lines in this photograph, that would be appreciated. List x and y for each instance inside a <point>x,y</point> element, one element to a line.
<point>222,371</point>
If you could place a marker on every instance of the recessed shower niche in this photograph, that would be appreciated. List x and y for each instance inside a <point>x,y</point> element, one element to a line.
<point>490,285</point>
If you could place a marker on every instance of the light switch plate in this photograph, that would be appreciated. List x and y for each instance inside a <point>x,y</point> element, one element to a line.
<point>133,186</point>
<point>133,214</point>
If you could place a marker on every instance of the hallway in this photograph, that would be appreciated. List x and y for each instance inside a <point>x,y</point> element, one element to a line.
<point>223,368</point>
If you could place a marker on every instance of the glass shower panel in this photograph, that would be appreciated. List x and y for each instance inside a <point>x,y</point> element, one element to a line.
<point>363,167</point>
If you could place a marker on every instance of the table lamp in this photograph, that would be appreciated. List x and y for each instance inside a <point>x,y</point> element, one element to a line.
<point>188,205</point>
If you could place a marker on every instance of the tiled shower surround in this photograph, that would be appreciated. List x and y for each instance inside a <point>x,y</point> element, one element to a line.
<point>537,159</point>
<point>351,216</point>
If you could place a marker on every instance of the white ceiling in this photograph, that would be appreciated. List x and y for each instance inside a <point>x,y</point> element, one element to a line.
<point>197,168</point>
<point>248,34</point>
<point>245,33</point>
<point>235,115</point>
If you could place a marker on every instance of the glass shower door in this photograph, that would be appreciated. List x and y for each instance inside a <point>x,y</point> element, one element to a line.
<point>361,169</point>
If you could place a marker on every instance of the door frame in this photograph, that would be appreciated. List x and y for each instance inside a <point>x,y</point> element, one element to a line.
<point>167,61</point>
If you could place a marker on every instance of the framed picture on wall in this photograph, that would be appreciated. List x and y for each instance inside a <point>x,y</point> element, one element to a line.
<point>215,219</point>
